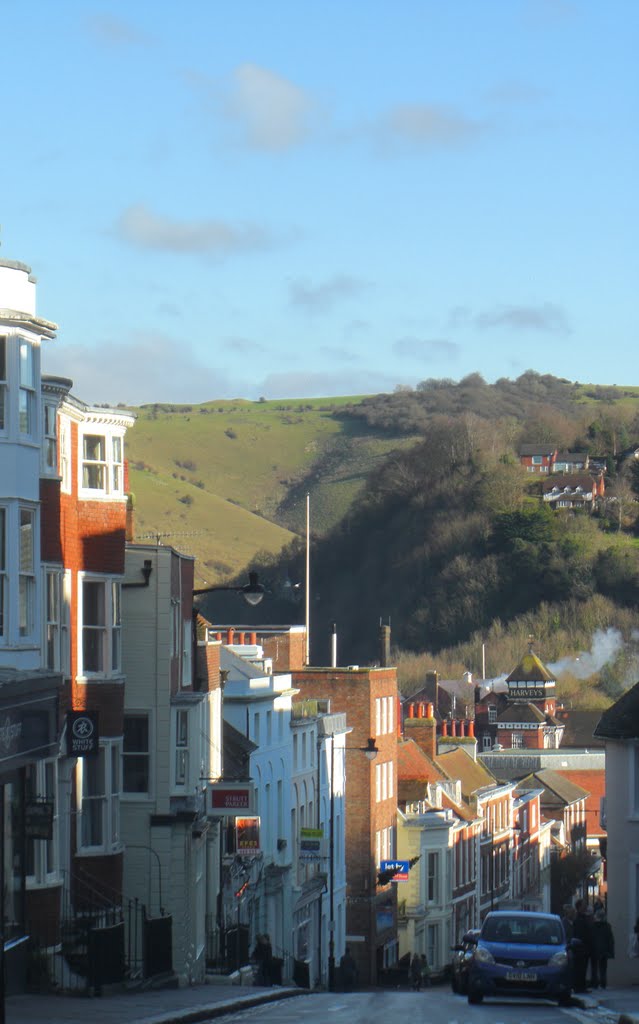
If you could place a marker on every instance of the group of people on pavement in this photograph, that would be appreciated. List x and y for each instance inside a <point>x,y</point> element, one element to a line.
<point>418,972</point>
<point>592,944</point>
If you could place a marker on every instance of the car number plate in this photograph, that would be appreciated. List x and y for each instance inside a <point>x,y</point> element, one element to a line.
<point>521,976</point>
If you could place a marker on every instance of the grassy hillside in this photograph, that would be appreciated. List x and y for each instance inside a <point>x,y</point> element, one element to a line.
<point>227,479</point>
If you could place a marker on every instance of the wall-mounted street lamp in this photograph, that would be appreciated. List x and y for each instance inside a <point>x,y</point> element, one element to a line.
<point>252,592</point>
<point>371,752</point>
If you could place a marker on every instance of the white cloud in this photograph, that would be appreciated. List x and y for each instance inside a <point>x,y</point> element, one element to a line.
<point>115,31</point>
<point>142,368</point>
<point>424,126</point>
<point>426,348</point>
<point>271,112</point>
<point>318,298</point>
<point>142,227</point>
<point>546,317</point>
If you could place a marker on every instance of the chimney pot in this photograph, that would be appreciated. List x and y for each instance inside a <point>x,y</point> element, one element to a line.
<point>230,636</point>
<point>253,639</point>
<point>444,728</point>
<point>411,710</point>
<point>430,711</point>
<point>240,638</point>
<point>471,729</point>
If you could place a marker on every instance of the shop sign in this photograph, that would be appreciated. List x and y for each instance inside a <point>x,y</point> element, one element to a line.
<point>247,836</point>
<point>312,846</point>
<point>83,737</point>
<point>229,799</point>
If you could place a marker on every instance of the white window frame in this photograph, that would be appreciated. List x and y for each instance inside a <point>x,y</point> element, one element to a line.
<point>27,559</point>
<point>181,762</point>
<point>46,851</point>
<point>143,754</point>
<point>432,876</point>
<point>64,444</point>
<point>52,618</point>
<point>27,370</point>
<point>187,654</point>
<point>50,438</point>
<point>105,805</point>
<point>110,628</point>
<point>105,465</point>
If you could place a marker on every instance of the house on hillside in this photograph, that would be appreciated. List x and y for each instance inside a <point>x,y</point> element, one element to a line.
<point>573,491</point>
<point>571,462</point>
<point>619,728</point>
<point>538,458</point>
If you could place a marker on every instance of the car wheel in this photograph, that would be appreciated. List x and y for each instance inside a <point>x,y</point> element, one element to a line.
<point>454,984</point>
<point>463,986</point>
<point>475,998</point>
<point>565,1000</point>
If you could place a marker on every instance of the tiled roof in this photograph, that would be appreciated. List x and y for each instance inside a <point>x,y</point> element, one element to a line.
<point>558,790</point>
<point>461,811</point>
<point>413,763</point>
<point>569,480</point>
<point>621,721</point>
<point>411,790</point>
<point>579,727</point>
<point>530,670</point>
<point>521,713</point>
<point>472,774</point>
<point>537,449</point>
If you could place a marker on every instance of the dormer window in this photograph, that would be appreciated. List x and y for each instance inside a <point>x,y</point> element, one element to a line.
<point>102,464</point>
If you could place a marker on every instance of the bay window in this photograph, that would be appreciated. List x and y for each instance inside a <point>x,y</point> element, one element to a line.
<point>26,397</point>
<point>26,572</point>
<point>101,627</point>
<point>53,604</point>
<point>181,747</point>
<point>99,797</point>
<point>50,437</point>
<point>102,463</point>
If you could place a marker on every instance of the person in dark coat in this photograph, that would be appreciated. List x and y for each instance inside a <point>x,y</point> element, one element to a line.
<point>567,920</point>
<point>603,949</point>
<point>415,972</point>
<point>348,970</point>
<point>582,946</point>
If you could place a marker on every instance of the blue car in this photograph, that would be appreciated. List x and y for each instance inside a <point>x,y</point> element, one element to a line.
<point>520,953</point>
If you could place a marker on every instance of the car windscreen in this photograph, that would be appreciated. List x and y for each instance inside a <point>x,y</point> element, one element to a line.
<point>514,928</point>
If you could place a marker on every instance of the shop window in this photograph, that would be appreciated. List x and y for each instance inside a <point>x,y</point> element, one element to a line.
<point>41,855</point>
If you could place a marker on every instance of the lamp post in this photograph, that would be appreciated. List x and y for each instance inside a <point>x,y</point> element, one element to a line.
<point>252,592</point>
<point>371,752</point>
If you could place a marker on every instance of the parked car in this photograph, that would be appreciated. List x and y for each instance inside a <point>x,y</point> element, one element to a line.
<point>460,963</point>
<point>520,953</point>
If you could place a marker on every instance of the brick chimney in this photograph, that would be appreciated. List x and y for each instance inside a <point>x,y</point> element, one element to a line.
<point>432,685</point>
<point>422,729</point>
<point>384,646</point>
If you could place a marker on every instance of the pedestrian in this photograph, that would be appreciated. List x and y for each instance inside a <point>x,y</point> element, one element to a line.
<point>603,949</point>
<point>425,972</point>
<point>582,946</point>
<point>415,973</point>
<point>348,970</point>
<point>567,919</point>
<point>267,960</point>
<point>257,956</point>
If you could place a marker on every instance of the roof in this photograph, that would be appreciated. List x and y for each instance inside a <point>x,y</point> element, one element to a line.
<point>537,449</point>
<point>530,670</point>
<point>558,791</point>
<point>570,481</point>
<point>411,790</point>
<point>579,727</point>
<point>621,721</point>
<point>523,712</point>
<point>458,809</point>
<point>414,764</point>
<point>573,457</point>
<point>473,775</point>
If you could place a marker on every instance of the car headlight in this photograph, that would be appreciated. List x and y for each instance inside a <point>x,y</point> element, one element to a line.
<point>559,959</point>
<point>483,955</point>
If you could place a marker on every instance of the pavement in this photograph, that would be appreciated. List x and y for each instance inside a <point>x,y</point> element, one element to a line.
<point>620,1005</point>
<point>204,1002</point>
<point>153,1006</point>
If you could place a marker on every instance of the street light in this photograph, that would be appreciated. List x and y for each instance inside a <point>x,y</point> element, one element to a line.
<point>252,592</point>
<point>371,752</point>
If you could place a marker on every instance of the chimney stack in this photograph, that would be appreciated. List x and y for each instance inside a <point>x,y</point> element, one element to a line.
<point>432,684</point>
<point>384,646</point>
<point>422,729</point>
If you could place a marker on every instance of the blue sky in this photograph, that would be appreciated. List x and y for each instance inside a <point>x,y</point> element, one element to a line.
<point>291,199</point>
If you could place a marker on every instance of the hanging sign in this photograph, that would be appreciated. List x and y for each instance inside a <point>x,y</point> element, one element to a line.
<point>247,836</point>
<point>83,736</point>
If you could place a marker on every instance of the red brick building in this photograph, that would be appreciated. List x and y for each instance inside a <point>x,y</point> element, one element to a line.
<point>368,696</point>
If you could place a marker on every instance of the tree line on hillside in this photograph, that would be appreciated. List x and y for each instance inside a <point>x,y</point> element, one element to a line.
<point>448,538</point>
